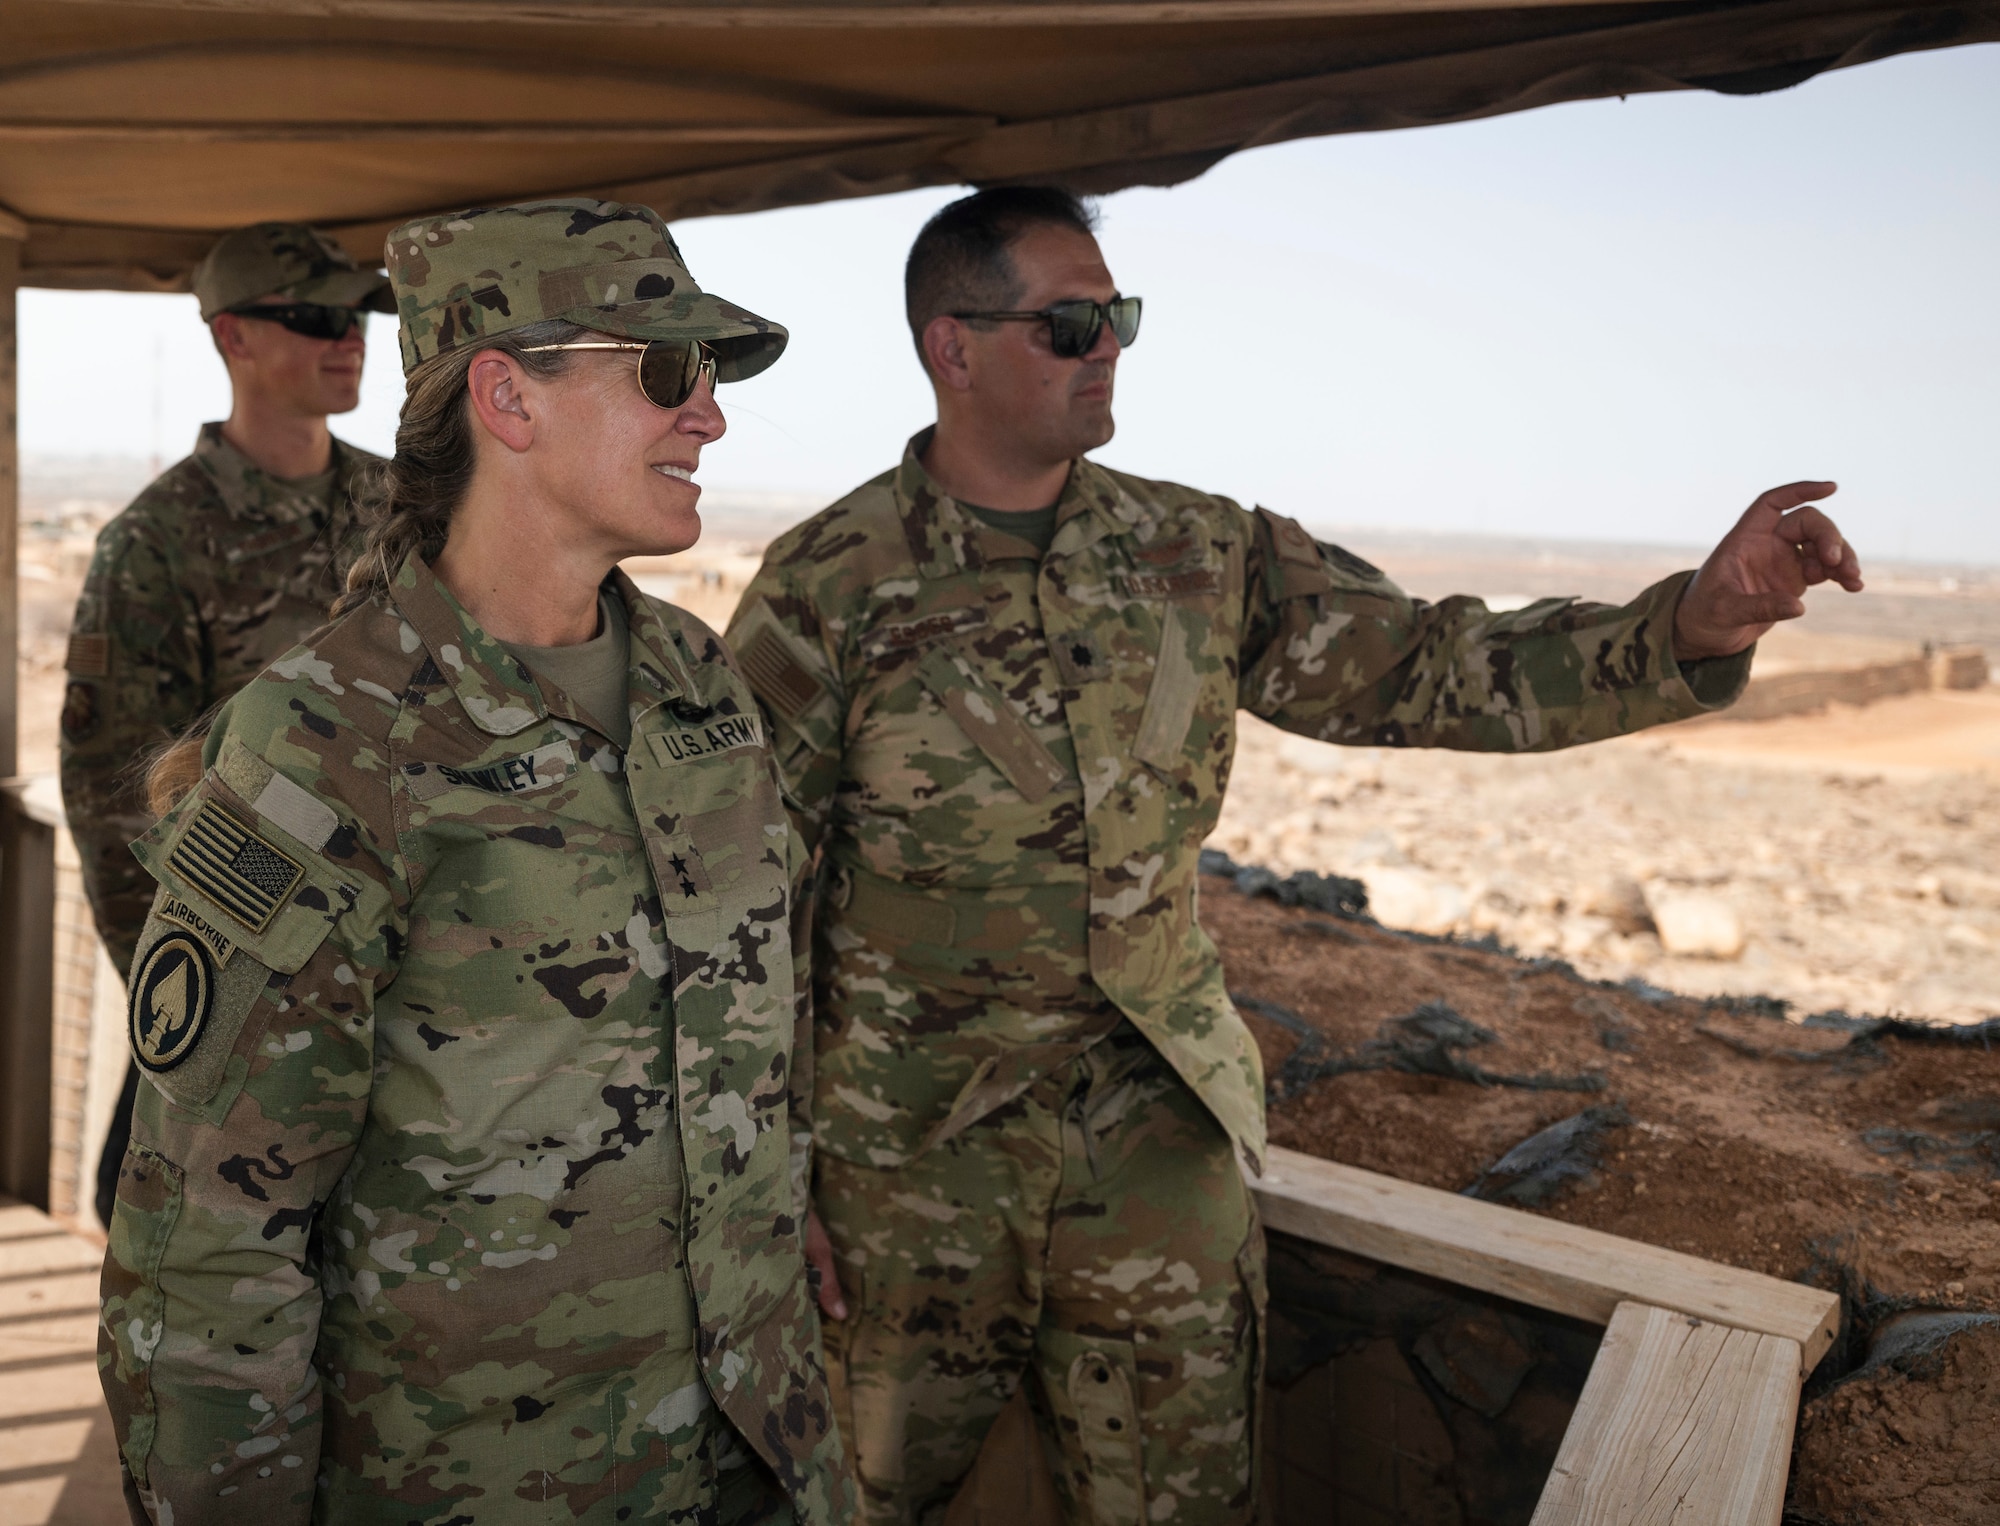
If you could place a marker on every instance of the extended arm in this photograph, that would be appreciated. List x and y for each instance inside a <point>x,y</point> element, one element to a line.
<point>1335,650</point>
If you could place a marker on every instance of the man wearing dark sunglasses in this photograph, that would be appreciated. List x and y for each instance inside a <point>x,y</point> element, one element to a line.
<point>1003,681</point>
<point>224,562</point>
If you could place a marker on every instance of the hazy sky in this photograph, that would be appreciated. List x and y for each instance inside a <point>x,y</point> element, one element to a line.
<point>1617,320</point>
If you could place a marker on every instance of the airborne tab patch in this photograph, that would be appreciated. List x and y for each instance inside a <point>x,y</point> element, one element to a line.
<point>172,996</point>
<point>234,867</point>
<point>172,908</point>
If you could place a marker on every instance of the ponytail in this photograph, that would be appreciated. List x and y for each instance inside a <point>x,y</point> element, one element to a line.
<point>408,506</point>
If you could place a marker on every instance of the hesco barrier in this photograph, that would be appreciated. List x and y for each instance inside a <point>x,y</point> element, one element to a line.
<point>1802,692</point>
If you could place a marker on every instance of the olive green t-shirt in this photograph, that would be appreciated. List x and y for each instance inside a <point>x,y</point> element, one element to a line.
<point>1035,526</point>
<point>591,672</point>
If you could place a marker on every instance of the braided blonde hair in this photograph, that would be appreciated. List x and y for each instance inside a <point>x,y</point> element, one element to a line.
<point>413,497</point>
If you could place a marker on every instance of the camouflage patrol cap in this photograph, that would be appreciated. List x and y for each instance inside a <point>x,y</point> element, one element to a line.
<point>285,260</point>
<point>469,277</point>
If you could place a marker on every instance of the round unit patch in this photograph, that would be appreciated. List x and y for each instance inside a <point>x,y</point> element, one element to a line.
<point>171,1000</point>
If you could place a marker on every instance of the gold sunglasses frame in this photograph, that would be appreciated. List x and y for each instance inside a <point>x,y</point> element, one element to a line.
<point>705,371</point>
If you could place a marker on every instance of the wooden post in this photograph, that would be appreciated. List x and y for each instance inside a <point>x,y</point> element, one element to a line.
<point>13,233</point>
<point>27,846</point>
<point>1682,1423</point>
<point>27,982</point>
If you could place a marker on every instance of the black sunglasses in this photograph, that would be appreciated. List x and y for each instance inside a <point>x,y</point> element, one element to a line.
<point>1074,326</point>
<point>669,369</point>
<point>314,320</point>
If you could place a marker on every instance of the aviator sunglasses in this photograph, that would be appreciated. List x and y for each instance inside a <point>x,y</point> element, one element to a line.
<point>314,320</point>
<point>669,369</point>
<point>1074,326</point>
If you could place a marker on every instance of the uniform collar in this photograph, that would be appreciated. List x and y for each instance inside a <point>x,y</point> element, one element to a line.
<point>250,493</point>
<point>944,539</point>
<point>496,691</point>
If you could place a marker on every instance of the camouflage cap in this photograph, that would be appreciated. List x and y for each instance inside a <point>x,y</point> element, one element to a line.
<point>469,277</point>
<point>285,260</point>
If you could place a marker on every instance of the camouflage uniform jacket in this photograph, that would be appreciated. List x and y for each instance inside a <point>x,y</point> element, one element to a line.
<point>467,1172</point>
<point>1012,763</point>
<point>210,573</point>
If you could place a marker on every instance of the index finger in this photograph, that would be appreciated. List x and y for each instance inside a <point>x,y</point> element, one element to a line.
<point>1792,494</point>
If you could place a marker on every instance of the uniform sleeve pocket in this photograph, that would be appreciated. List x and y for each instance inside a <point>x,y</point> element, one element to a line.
<point>257,886</point>
<point>243,904</point>
<point>133,1307</point>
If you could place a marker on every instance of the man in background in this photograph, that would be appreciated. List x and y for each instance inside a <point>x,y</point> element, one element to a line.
<point>1002,683</point>
<point>224,562</point>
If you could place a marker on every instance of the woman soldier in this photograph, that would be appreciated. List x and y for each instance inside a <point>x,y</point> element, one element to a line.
<point>464,1189</point>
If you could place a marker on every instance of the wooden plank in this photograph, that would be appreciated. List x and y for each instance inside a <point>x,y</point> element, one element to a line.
<point>1544,1262</point>
<point>842,14</point>
<point>845,130</point>
<point>1682,1422</point>
<point>58,1462</point>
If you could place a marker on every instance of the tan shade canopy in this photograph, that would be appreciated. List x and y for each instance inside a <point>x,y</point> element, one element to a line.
<point>132,133</point>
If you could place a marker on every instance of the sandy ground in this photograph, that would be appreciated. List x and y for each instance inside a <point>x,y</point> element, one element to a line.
<point>1858,864</point>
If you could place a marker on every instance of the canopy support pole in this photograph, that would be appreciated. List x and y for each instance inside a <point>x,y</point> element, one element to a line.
<point>27,857</point>
<point>13,233</point>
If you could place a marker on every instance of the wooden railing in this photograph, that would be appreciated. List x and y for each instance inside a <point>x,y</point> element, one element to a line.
<point>1688,1412</point>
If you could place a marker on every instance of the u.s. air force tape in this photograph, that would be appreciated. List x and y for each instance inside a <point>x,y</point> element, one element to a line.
<point>172,997</point>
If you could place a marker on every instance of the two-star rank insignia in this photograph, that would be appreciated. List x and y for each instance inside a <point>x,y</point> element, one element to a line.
<point>679,865</point>
<point>172,996</point>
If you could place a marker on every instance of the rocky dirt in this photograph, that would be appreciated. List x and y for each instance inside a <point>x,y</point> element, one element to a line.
<point>1859,1156</point>
<point>1864,887</point>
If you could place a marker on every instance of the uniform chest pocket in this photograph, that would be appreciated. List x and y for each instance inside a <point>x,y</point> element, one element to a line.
<point>1175,690</point>
<point>715,835</point>
<point>984,715</point>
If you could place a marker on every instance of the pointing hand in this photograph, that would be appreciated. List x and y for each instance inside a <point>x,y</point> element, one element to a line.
<point>1759,573</point>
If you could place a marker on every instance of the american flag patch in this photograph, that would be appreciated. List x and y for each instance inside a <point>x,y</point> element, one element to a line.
<point>234,867</point>
<point>89,655</point>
